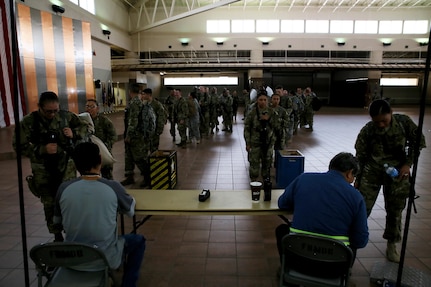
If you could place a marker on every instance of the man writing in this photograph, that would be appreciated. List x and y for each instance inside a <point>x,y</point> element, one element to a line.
<point>87,206</point>
<point>326,204</point>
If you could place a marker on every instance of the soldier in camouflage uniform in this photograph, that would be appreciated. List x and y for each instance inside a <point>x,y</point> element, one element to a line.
<point>387,139</point>
<point>47,137</point>
<point>169,106</point>
<point>307,117</point>
<point>283,121</point>
<point>287,104</point>
<point>104,130</point>
<point>160,113</point>
<point>226,105</point>
<point>259,127</point>
<point>214,110</point>
<point>204,101</point>
<point>136,147</point>
<point>181,114</point>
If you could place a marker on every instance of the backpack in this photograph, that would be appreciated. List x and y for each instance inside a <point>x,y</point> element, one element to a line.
<point>147,120</point>
<point>316,103</point>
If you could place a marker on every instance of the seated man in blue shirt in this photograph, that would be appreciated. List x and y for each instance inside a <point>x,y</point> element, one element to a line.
<point>87,208</point>
<point>327,204</point>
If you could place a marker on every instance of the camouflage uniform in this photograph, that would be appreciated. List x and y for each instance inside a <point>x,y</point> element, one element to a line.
<point>204,102</point>
<point>181,114</point>
<point>287,104</point>
<point>105,131</point>
<point>282,122</point>
<point>160,112</point>
<point>307,115</point>
<point>50,170</point>
<point>395,147</point>
<point>226,102</point>
<point>213,111</point>
<point>137,149</point>
<point>169,106</point>
<point>260,138</point>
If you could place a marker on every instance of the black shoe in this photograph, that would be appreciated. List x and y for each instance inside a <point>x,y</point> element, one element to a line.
<point>128,180</point>
<point>58,237</point>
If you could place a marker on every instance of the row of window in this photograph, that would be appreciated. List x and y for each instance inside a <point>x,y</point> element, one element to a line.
<point>86,5</point>
<point>319,26</point>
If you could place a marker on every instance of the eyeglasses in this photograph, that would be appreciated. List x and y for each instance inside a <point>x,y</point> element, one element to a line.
<point>90,106</point>
<point>47,112</point>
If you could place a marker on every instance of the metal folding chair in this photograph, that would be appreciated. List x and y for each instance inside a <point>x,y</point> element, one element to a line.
<point>75,264</point>
<point>315,261</point>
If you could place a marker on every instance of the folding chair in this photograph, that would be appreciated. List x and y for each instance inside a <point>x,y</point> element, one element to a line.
<point>74,265</point>
<point>315,261</point>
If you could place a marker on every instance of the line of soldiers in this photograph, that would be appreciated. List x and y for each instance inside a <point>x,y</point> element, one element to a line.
<point>271,122</point>
<point>181,112</point>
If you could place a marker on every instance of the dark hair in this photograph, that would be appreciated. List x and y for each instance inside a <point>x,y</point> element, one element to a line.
<point>170,88</point>
<point>379,107</point>
<point>344,161</point>
<point>46,97</point>
<point>193,94</point>
<point>86,156</point>
<point>94,101</point>
<point>262,93</point>
<point>279,87</point>
<point>135,88</point>
<point>148,91</point>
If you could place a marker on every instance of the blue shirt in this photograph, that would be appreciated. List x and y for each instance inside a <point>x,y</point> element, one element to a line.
<point>326,203</point>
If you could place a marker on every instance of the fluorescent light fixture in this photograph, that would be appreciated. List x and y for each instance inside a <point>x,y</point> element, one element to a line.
<point>399,82</point>
<point>196,81</point>
<point>356,79</point>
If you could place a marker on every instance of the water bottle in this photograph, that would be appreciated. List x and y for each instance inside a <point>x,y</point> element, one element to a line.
<point>267,188</point>
<point>390,170</point>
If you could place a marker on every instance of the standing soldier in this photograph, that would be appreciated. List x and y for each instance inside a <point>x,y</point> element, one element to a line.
<point>136,147</point>
<point>181,114</point>
<point>213,109</point>
<point>259,137</point>
<point>169,105</point>
<point>388,139</point>
<point>282,122</point>
<point>226,103</point>
<point>104,130</point>
<point>246,96</point>
<point>160,113</point>
<point>47,138</point>
<point>308,114</point>
<point>204,101</point>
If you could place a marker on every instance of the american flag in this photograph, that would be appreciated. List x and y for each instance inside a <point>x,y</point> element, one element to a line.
<point>7,72</point>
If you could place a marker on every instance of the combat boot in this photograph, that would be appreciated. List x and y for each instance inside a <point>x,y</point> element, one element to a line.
<point>129,180</point>
<point>392,253</point>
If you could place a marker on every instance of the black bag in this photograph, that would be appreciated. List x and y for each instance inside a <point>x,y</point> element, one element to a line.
<point>32,185</point>
<point>316,104</point>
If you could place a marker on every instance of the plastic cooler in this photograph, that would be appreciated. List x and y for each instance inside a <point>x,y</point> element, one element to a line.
<point>289,164</point>
<point>163,169</point>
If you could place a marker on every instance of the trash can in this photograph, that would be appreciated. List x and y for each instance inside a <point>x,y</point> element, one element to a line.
<point>163,169</point>
<point>289,164</point>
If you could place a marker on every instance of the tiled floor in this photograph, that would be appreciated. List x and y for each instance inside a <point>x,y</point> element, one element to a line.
<point>221,250</point>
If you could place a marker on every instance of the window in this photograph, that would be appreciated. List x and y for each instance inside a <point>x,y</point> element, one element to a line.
<point>86,5</point>
<point>390,27</point>
<point>218,26</point>
<point>242,26</point>
<point>366,27</point>
<point>403,82</point>
<point>415,27</point>
<point>195,81</point>
<point>316,26</point>
<point>341,26</point>
<point>267,26</point>
<point>292,26</point>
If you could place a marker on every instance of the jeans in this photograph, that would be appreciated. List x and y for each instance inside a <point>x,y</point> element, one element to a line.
<point>134,249</point>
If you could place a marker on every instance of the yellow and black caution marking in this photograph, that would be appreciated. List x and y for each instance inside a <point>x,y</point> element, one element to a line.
<point>163,169</point>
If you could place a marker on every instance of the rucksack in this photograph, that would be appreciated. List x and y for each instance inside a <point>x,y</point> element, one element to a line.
<point>147,120</point>
<point>316,103</point>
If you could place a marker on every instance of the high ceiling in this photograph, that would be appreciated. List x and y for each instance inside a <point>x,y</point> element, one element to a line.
<point>152,13</point>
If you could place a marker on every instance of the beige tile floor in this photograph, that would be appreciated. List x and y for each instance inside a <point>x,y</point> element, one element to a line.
<point>221,250</point>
